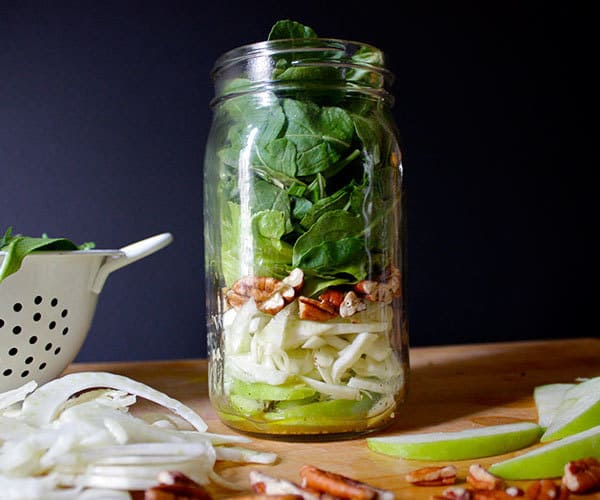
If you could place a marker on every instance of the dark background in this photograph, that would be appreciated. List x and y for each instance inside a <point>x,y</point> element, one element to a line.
<point>104,116</point>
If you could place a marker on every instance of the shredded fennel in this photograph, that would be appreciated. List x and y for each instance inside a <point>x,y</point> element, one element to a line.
<point>55,446</point>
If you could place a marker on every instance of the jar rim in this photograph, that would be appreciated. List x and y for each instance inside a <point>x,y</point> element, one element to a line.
<point>336,47</point>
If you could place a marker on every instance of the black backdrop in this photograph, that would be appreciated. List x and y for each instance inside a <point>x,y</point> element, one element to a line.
<point>104,115</point>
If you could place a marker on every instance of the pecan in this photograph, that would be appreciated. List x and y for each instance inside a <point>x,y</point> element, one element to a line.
<point>381,291</point>
<point>332,296</point>
<point>351,305</point>
<point>455,493</point>
<point>295,279</point>
<point>270,294</point>
<point>283,496</point>
<point>273,304</point>
<point>507,494</point>
<point>481,479</point>
<point>546,489</point>
<point>174,485</point>
<point>582,476</point>
<point>432,476</point>
<point>263,484</point>
<point>315,310</point>
<point>513,491</point>
<point>340,486</point>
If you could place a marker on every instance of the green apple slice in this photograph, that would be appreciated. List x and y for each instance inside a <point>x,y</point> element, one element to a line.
<point>267,392</point>
<point>548,399</point>
<point>460,445</point>
<point>323,412</point>
<point>549,460</point>
<point>246,406</point>
<point>579,410</point>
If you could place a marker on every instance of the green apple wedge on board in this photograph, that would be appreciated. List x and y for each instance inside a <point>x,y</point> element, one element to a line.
<point>567,413</point>
<point>547,401</point>
<point>579,409</point>
<point>549,460</point>
<point>460,445</point>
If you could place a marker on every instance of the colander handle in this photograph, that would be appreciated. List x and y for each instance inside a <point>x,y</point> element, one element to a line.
<point>130,254</point>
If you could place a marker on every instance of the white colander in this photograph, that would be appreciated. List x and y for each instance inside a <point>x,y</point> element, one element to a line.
<point>47,306</point>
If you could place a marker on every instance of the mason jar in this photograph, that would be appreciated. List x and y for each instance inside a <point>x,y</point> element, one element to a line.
<point>305,242</point>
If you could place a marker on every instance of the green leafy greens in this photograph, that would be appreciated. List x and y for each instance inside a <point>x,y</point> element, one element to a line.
<point>17,247</point>
<point>307,169</point>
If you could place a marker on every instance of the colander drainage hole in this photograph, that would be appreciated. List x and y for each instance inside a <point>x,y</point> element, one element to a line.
<point>17,307</point>
<point>48,346</point>
<point>65,330</point>
<point>7,372</point>
<point>52,325</point>
<point>13,351</point>
<point>57,351</point>
<point>33,339</point>
<point>17,329</point>
<point>29,360</point>
<point>54,302</point>
<point>37,317</point>
<point>37,301</point>
<point>24,373</point>
<point>43,365</point>
<point>1,323</point>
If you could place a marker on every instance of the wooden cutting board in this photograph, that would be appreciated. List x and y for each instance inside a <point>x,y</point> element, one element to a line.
<point>451,388</point>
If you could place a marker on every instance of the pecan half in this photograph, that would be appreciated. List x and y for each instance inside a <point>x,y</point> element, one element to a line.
<point>546,489</point>
<point>288,496</point>
<point>432,476</point>
<point>175,485</point>
<point>381,291</point>
<point>332,296</point>
<point>340,486</point>
<point>263,484</point>
<point>456,493</point>
<point>315,310</point>
<point>481,479</point>
<point>270,294</point>
<point>582,476</point>
<point>351,304</point>
<point>507,494</point>
<point>295,279</point>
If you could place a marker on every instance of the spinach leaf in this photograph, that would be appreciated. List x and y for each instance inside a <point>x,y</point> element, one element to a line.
<point>278,155</point>
<point>265,254</point>
<point>342,256</point>
<point>337,200</point>
<point>287,28</point>
<point>321,134</point>
<point>318,175</point>
<point>366,56</point>
<point>331,226</point>
<point>18,247</point>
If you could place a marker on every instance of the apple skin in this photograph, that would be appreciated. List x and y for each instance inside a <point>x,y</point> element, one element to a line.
<point>266,392</point>
<point>460,445</point>
<point>578,411</point>
<point>549,460</point>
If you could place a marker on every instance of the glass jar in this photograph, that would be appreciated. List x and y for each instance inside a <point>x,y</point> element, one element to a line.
<point>305,242</point>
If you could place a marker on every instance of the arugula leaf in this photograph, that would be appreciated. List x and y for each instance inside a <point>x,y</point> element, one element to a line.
<point>18,247</point>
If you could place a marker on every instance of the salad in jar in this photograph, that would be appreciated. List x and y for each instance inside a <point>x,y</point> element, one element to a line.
<point>304,232</point>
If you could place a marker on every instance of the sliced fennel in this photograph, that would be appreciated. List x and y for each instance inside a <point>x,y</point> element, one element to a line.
<point>280,362</point>
<point>90,446</point>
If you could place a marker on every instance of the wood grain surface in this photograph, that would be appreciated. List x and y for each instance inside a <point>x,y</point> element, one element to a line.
<point>451,388</point>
